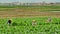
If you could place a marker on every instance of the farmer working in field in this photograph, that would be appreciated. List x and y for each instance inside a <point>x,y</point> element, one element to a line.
<point>9,21</point>
<point>49,19</point>
<point>34,22</point>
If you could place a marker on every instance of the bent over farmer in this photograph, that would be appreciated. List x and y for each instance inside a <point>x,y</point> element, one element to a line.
<point>9,22</point>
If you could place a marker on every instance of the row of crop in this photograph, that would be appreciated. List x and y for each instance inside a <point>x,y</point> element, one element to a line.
<point>28,21</point>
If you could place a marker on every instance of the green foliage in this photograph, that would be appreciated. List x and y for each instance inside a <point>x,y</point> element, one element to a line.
<point>32,8</point>
<point>24,26</point>
<point>14,24</point>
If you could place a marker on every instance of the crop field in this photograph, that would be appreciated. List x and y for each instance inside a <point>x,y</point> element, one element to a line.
<point>18,11</point>
<point>30,8</point>
<point>22,17</point>
<point>23,25</point>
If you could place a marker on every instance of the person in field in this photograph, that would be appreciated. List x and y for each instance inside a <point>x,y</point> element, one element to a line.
<point>34,22</point>
<point>9,21</point>
<point>49,19</point>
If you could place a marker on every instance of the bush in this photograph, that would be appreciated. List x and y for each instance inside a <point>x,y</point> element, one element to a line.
<point>14,24</point>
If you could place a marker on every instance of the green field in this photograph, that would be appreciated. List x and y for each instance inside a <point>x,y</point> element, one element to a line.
<point>23,25</point>
<point>31,8</point>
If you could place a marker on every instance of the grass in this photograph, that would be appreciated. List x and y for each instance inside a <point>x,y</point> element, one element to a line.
<point>24,26</point>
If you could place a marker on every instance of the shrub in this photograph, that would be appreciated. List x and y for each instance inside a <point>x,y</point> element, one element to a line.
<point>14,24</point>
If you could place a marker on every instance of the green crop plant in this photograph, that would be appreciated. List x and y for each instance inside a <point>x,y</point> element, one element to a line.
<point>24,25</point>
